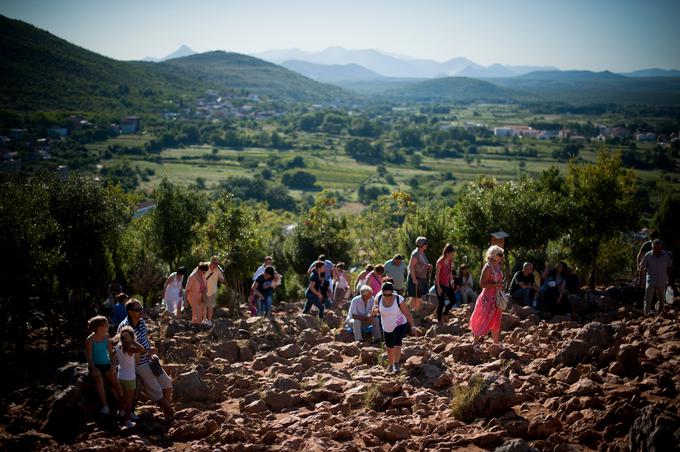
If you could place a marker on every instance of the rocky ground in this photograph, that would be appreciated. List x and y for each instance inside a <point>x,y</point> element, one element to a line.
<point>605,378</point>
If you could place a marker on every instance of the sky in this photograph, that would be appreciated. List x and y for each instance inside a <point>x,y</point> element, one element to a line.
<point>620,35</point>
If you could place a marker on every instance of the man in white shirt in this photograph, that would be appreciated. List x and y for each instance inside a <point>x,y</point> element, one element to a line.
<point>359,318</point>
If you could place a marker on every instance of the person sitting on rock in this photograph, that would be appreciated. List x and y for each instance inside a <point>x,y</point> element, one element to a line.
<point>359,318</point>
<point>263,291</point>
<point>395,319</point>
<point>467,287</point>
<point>313,292</point>
<point>158,387</point>
<point>98,350</point>
<point>126,349</point>
<point>523,285</point>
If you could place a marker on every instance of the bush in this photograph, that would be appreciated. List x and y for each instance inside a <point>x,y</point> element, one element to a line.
<point>463,399</point>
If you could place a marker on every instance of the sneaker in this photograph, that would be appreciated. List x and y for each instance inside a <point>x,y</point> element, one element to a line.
<point>396,367</point>
<point>129,424</point>
<point>105,410</point>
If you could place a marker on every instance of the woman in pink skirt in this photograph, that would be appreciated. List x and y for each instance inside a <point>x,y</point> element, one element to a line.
<point>486,316</point>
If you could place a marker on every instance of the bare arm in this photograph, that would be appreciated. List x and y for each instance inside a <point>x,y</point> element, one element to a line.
<point>88,355</point>
<point>407,314</point>
<point>436,277</point>
<point>313,290</point>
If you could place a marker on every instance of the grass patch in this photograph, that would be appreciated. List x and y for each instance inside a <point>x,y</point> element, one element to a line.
<point>373,399</point>
<point>463,398</point>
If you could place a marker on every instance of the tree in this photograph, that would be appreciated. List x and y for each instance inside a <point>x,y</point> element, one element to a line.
<point>231,233</point>
<point>600,201</point>
<point>318,232</point>
<point>29,242</point>
<point>299,179</point>
<point>667,217</point>
<point>177,210</point>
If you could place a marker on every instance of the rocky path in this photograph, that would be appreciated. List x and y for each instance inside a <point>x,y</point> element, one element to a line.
<point>608,379</point>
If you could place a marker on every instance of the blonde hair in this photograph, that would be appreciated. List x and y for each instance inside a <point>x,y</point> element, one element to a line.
<point>493,251</point>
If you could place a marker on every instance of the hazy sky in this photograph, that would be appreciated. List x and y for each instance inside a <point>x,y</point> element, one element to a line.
<point>619,35</point>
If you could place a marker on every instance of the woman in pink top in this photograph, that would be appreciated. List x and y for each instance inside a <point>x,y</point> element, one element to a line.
<point>486,316</point>
<point>375,278</point>
<point>442,281</point>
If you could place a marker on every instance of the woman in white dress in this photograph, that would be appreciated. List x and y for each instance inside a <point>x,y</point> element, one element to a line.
<point>172,291</point>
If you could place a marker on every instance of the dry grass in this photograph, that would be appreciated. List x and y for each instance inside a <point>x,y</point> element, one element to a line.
<point>463,398</point>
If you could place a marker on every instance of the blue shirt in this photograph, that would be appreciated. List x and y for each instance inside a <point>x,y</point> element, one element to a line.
<point>119,313</point>
<point>142,337</point>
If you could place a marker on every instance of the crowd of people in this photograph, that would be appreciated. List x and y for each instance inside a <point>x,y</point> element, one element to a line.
<point>382,301</point>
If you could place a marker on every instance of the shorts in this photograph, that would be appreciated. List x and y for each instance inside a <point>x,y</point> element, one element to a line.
<point>103,368</point>
<point>128,385</point>
<point>418,291</point>
<point>154,385</point>
<point>210,300</point>
<point>394,338</point>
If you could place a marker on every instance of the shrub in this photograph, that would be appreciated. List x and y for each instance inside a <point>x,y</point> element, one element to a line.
<point>463,399</point>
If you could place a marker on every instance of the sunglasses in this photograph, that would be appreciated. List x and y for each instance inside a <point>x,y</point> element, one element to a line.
<point>387,294</point>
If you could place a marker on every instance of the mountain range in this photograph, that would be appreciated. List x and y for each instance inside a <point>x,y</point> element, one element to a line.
<point>40,72</point>
<point>397,66</point>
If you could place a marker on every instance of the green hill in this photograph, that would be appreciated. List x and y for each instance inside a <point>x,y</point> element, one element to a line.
<point>455,89</point>
<point>39,71</point>
<point>237,71</point>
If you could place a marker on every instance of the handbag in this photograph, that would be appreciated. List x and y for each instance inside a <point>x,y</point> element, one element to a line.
<point>501,296</point>
<point>501,300</point>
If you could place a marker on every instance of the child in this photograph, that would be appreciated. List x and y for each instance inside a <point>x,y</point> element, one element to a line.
<point>125,352</point>
<point>119,312</point>
<point>98,350</point>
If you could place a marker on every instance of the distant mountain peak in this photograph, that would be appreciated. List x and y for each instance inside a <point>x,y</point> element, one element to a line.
<point>182,51</point>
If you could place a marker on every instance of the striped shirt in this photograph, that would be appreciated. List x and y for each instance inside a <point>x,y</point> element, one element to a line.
<point>142,337</point>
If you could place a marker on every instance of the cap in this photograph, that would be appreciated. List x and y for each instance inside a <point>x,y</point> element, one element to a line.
<point>421,241</point>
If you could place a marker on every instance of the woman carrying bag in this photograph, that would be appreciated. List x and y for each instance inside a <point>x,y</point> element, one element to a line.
<point>491,302</point>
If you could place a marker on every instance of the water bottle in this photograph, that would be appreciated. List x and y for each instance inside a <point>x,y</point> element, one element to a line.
<point>669,295</point>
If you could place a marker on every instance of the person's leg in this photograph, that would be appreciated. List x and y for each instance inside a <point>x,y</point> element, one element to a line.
<point>194,311</point>
<point>390,356</point>
<point>210,306</point>
<point>356,329</point>
<point>320,306</point>
<point>308,303</point>
<point>126,405</point>
<point>116,388</point>
<point>661,298</point>
<point>649,298</point>
<point>451,295</point>
<point>496,336</point>
<point>101,391</point>
<point>268,305</point>
<point>441,297</point>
